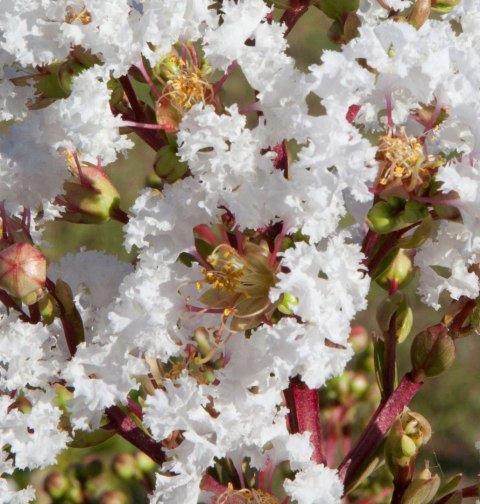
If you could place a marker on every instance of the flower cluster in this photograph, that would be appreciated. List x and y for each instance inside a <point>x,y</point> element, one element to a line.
<point>254,242</point>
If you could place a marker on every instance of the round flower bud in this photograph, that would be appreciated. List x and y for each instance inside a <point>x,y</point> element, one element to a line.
<point>382,218</point>
<point>396,270</point>
<point>113,497</point>
<point>167,165</point>
<point>124,466</point>
<point>23,272</point>
<point>145,463</point>
<point>56,485</point>
<point>432,351</point>
<point>288,302</point>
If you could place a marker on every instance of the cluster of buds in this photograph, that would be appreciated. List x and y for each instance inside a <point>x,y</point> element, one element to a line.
<point>408,433</point>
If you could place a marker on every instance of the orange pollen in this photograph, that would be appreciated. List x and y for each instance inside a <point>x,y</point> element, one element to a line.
<point>401,155</point>
<point>188,89</point>
<point>246,496</point>
<point>72,15</point>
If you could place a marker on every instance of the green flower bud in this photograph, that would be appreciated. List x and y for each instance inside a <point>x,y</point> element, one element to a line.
<point>287,303</point>
<point>404,324</point>
<point>124,466</point>
<point>335,9</point>
<point>56,485</point>
<point>48,309</point>
<point>90,197</point>
<point>92,466</point>
<point>382,218</point>
<point>396,269</point>
<point>432,351</point>
<point>422,489</point>
<point>167,165</point>
<point>444,6</point>
<point>23,272</point>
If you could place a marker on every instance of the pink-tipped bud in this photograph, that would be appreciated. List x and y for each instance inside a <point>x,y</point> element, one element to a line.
<point>23,272</point>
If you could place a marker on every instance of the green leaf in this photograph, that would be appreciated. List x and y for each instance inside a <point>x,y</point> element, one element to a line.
<point>84,439</point>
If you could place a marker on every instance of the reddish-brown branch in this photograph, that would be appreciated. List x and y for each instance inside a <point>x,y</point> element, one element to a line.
<point>379,425</point>
<point>304,415</point>
<point>471,491</point>
<point>291,16</point>
<point>126,427</point>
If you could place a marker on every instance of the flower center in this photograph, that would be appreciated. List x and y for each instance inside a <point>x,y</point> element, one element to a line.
<point>403,161</point>
<point>246,496</point>
<point>401,154</point>
<point>188,89</point>
<point>74,14</point>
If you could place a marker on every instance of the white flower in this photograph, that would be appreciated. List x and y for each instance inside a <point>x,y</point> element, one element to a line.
<point>97,274</point>
<point>316,484</point>
<point>443,264</point>
<point>27,433</point>
<point>28,354</point>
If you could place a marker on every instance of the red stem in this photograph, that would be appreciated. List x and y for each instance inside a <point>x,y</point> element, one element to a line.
<point>379,425</point>
<point>218,85</point>
<point>119,215</point>
<point>389,358</point>
<point>127,428</point>
<point>471,491</point>
<point>296,10</point>
<point>304,407</point>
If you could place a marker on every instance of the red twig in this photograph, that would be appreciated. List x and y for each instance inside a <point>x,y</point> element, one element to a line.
<point>126,427</point>
<point>379,425</point>
<point>304,415</point>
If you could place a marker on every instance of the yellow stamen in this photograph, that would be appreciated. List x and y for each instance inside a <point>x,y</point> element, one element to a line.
<point>72,15</point>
